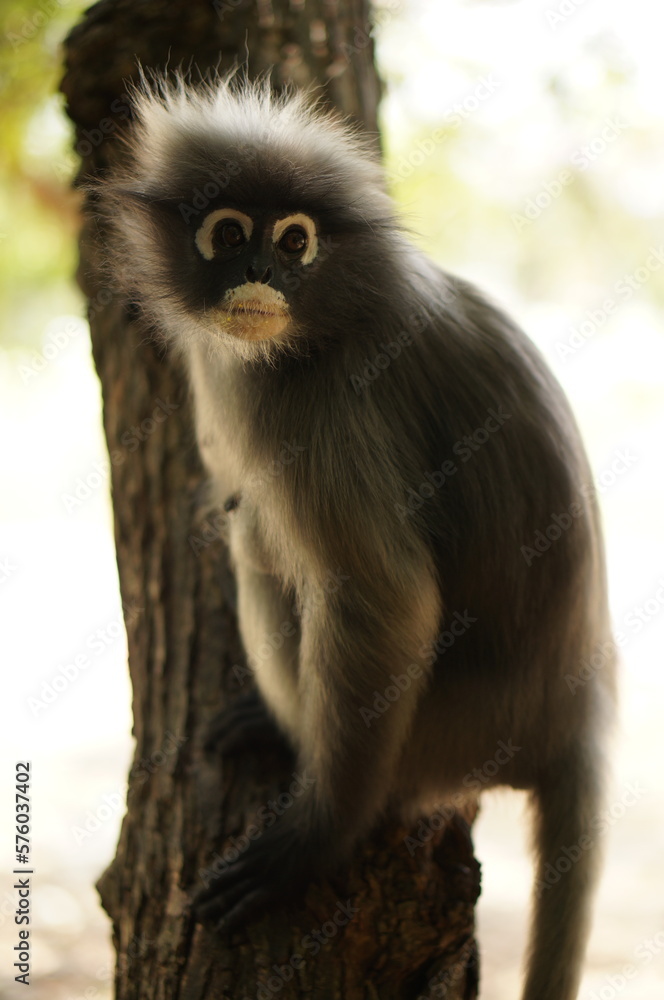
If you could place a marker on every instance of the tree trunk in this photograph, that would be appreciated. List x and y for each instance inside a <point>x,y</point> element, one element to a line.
<point>400,923</point>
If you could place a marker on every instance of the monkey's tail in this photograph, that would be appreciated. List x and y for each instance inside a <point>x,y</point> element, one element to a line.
<point>567,805</point>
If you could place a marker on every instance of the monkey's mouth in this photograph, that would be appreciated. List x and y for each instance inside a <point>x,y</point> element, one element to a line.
<point>257,310</point>
<point>255,321</point>
<point>254,312</point>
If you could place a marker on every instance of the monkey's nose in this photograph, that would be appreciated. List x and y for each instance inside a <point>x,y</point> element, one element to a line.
<point>265,277</point>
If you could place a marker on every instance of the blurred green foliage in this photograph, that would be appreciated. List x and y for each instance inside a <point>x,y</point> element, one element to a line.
<point>37,209</point>
<point>465,194</point>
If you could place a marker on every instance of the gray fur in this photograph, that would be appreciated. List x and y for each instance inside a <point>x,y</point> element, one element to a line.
<point>351,502</point>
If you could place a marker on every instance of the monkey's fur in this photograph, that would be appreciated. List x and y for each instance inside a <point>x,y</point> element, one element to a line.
<point>365,367</point>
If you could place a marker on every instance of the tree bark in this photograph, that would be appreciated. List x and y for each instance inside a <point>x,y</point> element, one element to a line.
<point>410,921</point>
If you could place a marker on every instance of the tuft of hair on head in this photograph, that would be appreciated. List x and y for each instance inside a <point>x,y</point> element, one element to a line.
<point>172,110</point>
<point>284,147</point>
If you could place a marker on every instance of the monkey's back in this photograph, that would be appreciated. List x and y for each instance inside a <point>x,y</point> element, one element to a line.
<point>505,498</point>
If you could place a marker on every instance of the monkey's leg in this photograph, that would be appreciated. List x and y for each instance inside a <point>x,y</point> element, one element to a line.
<point>354,643</point>
<point>568,861</point>
<point>271,640</point>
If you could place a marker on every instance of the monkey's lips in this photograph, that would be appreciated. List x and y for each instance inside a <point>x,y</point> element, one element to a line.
<point>255,312</point>
<point>255,322</point>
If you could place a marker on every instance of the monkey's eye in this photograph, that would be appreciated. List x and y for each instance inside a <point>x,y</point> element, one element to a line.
<point>223,229</point>
<point>228,235</point>
<point>294,241</point>
<point>294,237</point>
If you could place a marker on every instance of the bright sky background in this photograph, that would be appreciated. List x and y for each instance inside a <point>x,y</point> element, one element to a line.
<point>555,87</point>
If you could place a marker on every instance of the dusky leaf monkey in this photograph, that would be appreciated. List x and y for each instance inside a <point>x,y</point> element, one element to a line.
<point>424,453</point>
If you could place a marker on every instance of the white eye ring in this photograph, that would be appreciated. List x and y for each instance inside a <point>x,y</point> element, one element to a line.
<point>309,227</point>
<point>204,234</point>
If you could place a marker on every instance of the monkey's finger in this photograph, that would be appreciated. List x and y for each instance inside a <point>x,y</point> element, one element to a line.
<point>225,728</point>
<point>227,722</point>
<point>234,874</point>
<point>253,732</point>
<point>251,699</point>
<point>241,912</point>
<point>220,887</point>
<point>238,710</point>
<point>246,710</point>
<point>223,903</point>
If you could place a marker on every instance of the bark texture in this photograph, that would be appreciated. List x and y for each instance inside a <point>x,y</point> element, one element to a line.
<point>412,919</point>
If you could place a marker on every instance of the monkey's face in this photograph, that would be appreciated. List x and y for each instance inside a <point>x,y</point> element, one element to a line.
<point>248,220</point>
<point>253,262</point>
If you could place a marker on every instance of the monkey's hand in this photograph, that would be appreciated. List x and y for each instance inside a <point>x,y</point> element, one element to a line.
<point>243,724</point>
<point>274,870</point>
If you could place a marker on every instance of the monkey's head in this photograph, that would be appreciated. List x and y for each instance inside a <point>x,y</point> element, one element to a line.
<point>245,218</point>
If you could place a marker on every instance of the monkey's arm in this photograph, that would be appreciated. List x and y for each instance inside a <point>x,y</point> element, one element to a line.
<point>352,642</point>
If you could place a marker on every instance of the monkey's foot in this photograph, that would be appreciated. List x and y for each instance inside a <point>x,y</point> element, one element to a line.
<point>244,723</point>
<point>274,870</point>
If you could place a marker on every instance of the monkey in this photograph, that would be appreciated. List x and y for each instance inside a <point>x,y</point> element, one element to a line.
<point>368,418</point>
